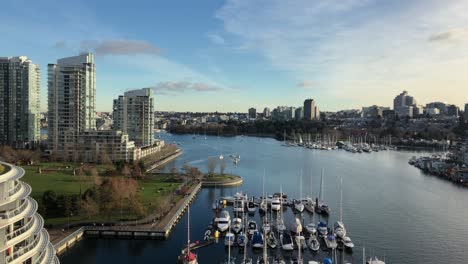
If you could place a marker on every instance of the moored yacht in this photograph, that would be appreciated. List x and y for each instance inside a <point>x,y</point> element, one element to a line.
<point>229,239</point>
<point>347,242</point>
<point>257,240</point>
<point>286,242</point>
<point>330,241</point>
<point>322,229</point>
<point>236,225</point>
<point>314,244</point>
<point>252,227</point>
<point>223,222</point>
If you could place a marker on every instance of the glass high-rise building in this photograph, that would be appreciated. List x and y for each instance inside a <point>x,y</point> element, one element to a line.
<point>133,113</point>
<point>19,102</point>
<point>72,100</point>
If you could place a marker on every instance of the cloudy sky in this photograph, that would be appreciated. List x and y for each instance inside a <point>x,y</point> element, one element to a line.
<point>228,55</point>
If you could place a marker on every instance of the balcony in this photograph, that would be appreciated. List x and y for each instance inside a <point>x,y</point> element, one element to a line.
<point>29,250</point>
<point>27,208</point>
<point>47,255</point>
<point>20,191</point>
<point>32,227</point>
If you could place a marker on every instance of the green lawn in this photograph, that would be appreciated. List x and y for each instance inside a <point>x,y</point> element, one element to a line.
<point>151,190</point>
<point>223,177</point>
<point>61,182</point>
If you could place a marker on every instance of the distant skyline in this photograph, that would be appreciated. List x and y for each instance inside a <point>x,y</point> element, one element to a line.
<point>228,56</point>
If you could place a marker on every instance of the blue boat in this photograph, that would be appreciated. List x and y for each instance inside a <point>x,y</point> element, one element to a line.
<point>257,240</point>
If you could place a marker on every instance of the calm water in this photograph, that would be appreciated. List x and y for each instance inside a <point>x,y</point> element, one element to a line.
<point>389,207</point>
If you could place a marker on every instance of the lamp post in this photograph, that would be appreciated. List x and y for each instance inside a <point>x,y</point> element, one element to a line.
<point>68,226</point>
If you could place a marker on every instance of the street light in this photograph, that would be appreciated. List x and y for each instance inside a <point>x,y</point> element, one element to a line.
<point>71,214</point>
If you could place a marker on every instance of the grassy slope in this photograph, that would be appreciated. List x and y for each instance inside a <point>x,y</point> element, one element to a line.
<point>64,182</point>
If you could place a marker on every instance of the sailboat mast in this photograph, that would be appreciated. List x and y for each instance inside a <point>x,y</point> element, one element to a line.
<point>341,200</point>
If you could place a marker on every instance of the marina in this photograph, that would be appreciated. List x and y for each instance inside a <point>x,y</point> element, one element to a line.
<point>372,195</point>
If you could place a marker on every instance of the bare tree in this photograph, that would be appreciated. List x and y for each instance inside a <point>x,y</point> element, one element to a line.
<point>211,166</point>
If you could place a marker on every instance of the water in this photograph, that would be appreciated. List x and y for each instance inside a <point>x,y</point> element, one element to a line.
<point>389,207</point>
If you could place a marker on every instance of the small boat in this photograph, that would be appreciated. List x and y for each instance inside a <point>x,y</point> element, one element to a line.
<point>263,207</point>
<point>224,221</point>
<point>322,229</point>
<point>339,229</point>
<point>298,206</point>
<point>252,227</point>
<point>309,205</point>
<point>229,239</point>
<point>314,244</point>
<point>238,206</point>
<point>330,242</point>
<point>347,242</point>
<point>286,242</point>
<point>188,257</point>
<point>251,207</point>
<point>271,240</point>
<point>207,235</point>
<point>236,225</point>
<point>310,228</point>
<point>275,203</point>
<point>375,260</point>
<point>242,239</point>
<point>257,240</point>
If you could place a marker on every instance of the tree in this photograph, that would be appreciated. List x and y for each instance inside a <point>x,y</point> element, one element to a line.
<point>211,166</point>
<point>49,201</point>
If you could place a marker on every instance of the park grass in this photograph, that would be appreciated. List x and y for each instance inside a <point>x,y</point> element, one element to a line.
<point>61,180</point>
<point>221,177</point>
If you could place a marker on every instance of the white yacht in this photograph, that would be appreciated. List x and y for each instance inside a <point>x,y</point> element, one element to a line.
<point>298,206</point>
<point>275,203</point>
<point>296,227</point>
<point>236,225</point>
<point>339,229</point>
<point>347,242</point>
<point>330,241</point>
<point>311,229</point>
<point>223,222</point>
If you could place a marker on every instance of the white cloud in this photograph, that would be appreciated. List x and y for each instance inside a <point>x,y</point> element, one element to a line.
<point>215,38</point>
<point>358,51</point>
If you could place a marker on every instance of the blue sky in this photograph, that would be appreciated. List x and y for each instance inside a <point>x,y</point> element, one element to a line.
<point>233,54</point>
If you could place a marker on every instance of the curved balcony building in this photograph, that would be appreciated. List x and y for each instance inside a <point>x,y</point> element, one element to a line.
<point>23,238</point>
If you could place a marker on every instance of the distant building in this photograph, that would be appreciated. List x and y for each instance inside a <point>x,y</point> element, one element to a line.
<point>299,113</point>
<point>133,114</point>
<point>403,104</point>
<point>72,100</point>
<point>20,102</point>
<point>309,109</point>
<point>452,110</point>
<point>466,111</point>
<point>316,113</point>
<point>404,111</point>
<point>373,111</point>
<point>432,111</point>
<point>439,105</point>
<point>267,112</point>
<point>252,113</point>
<point>388,114</point>
<point>418,110</point>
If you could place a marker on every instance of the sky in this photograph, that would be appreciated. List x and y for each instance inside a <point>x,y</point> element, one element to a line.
<point>229,55</point>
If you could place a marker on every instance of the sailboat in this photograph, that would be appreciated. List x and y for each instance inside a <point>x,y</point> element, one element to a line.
<point>308,202</point>
<point>298,205</point>
<point>321,206</point>
<point>263,207</point>
<point>243,239</point>
<point>264,258</point>
<point>230,260</point>
<point>187,257</point>
<point>280,227</point>
<point>339,227</point>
